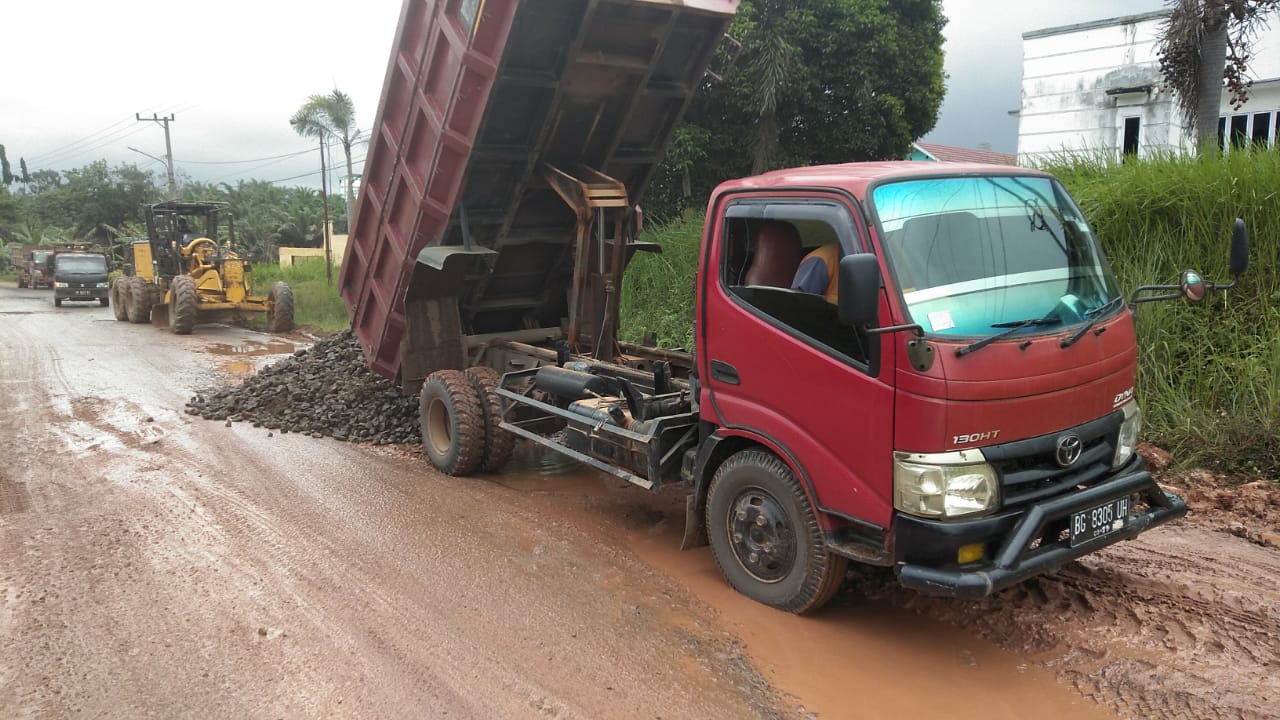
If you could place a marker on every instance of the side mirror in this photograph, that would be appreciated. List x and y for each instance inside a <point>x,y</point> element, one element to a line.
<point>859,294</point>
<point>1239,249</point>
<point>1192,286</point>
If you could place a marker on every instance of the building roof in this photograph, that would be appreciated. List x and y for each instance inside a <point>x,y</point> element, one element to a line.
<point>946,153</point>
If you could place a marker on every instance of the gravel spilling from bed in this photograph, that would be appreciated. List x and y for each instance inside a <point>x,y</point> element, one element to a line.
<point>322,390</point>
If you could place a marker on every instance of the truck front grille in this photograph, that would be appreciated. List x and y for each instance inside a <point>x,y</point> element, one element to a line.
<point>1029,469</point>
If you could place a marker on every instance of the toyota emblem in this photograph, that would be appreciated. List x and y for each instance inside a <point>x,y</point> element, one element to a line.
<point>1069,447</point>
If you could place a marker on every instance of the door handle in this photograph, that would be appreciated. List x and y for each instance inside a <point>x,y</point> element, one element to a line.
<point>725,373</point>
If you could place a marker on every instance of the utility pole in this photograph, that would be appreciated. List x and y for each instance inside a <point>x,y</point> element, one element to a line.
<point>324,196</point>
<point>168,148</point>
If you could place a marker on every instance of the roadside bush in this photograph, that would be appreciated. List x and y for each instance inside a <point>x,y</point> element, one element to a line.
<point>657,292</point>
<point>1209,376</point>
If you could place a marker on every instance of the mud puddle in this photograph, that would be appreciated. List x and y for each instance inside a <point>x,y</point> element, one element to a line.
<point>246,358</point>
<point>856,659</point>
<point>250,348</point>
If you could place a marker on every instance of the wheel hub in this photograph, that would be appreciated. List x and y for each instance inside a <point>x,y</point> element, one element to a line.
<point>760,536</point>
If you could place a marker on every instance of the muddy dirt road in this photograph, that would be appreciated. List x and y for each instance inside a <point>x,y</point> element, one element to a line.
<point>156,564</point>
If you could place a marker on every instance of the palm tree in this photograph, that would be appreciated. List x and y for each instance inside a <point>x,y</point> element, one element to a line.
<point>333,114</point>
<point>1202,43</point>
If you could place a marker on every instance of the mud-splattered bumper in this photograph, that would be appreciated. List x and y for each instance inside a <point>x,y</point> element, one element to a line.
<point>1026,542</point>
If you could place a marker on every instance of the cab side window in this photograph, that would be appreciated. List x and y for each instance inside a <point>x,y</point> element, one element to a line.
<point>783,267</point>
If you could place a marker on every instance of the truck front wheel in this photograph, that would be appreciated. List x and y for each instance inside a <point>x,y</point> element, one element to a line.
<point>452,420</point>
<point>765,535</point>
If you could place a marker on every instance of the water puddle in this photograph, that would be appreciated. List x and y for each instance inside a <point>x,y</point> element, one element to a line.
<point>250,348</point>
<point>855,659</point>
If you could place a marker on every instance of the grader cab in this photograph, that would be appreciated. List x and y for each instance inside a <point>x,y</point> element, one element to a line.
<point>183,274</point>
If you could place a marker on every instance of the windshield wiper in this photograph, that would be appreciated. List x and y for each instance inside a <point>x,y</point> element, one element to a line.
<point>1093,316</point>
<point>1010,328</point>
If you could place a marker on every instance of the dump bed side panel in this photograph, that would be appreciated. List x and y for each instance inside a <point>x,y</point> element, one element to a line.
<point>479,97</point>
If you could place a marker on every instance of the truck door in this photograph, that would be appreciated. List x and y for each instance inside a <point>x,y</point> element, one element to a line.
<point>777,364</point>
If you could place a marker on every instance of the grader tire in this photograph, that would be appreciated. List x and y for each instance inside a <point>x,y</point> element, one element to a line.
<point>138,303</point>
<point>182,305</point>
<point>498,443</point>
<point>280,316</point>
<point>117,304</point>
<point>452,422</point>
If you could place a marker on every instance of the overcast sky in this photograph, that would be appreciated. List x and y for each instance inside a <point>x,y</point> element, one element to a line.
<point>233,72</point>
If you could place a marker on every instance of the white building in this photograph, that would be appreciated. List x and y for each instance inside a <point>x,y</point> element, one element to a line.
<point>1096,87</point>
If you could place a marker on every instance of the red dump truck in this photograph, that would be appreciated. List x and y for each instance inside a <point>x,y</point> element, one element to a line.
<point>953,399</point>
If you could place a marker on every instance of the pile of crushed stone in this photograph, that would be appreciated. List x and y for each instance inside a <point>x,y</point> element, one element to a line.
<point>324,390</point>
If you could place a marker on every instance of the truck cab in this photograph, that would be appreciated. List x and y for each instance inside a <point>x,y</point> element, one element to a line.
<point>80,274</point>
<point>961,408</point>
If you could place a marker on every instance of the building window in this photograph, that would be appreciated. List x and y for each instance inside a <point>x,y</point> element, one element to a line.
<point>1239,130</point>
<point>1261,129</point>
<point>1132,128</point>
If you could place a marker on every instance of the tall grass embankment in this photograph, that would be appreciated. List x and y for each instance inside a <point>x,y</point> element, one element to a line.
<point>316,303</point>
<point>1209,375</point>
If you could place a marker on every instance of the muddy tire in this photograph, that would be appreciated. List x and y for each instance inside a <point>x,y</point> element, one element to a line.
<point>182,305</point>
<point>103,302</point>
<point>452,421</point>
<point>765,535</point>
<point>118,307</point>
<point>22,283</point>
<point>498,443</point>
<point>57,302</point>
<point>280,316</point>
<point>138,305</point>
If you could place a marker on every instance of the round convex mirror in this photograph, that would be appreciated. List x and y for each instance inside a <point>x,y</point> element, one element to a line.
<point>1193,287</point>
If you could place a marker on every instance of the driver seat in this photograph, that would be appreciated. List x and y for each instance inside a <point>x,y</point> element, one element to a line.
<point>776,255</point>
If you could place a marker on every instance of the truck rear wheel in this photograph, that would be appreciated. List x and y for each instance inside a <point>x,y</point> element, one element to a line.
<point>280,316</point>
<point>139,300</point>
<point>498,443</point>
<point>182,305</point>
<point>765,535</point>
<point>118,307</point>
<point>452,420</point>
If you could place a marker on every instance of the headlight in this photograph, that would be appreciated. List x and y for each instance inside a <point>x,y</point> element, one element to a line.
<point>1129,430</point>
<point>59,285</point>
<point>944,485</point>
<point>102,285</point>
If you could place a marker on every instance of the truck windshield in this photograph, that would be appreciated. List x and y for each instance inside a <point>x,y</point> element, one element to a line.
<point>81,264</point>
<point>973,254</point>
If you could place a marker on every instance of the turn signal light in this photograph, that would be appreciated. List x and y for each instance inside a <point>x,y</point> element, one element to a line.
<point>970,553</point>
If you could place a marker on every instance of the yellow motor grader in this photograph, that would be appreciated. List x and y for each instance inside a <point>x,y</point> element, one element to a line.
<point>183,276</point>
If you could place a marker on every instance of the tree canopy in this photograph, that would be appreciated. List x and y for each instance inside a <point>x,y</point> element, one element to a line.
<point>815,81</point>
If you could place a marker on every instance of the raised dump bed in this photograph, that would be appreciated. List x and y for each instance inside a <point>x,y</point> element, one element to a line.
<point>482,99</point>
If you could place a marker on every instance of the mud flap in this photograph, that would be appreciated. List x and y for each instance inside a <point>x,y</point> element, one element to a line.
<point>695,531</point>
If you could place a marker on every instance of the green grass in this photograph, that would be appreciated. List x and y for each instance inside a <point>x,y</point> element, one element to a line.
<point>316,302</point>
<point>657,292</point>
<point>1209,375</point>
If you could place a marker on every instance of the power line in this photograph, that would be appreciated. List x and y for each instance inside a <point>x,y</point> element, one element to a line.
<point>88,138</point>
<point>239,162</point>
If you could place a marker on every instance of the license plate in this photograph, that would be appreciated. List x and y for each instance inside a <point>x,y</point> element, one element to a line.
<point>82,292</point>
<point>1097,522</point>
